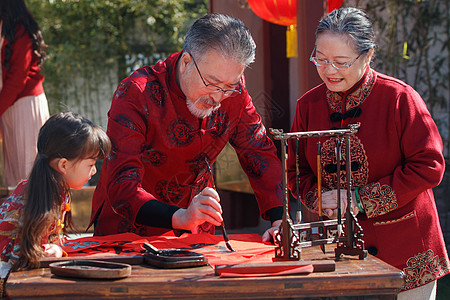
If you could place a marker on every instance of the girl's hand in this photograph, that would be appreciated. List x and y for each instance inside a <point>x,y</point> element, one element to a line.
<point>52,250</point>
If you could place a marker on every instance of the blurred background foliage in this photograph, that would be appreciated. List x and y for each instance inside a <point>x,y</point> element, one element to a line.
<point>414,46</point>
<point>93,44</point>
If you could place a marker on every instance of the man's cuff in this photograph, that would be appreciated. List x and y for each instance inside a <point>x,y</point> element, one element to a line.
<point>156,214</point>
<point>275,213</point>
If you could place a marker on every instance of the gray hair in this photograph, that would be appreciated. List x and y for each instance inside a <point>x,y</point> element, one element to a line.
<point>222,33</point>
<point>351,22</point>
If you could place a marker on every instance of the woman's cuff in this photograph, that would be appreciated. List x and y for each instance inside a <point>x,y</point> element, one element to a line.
<point>358,201</point>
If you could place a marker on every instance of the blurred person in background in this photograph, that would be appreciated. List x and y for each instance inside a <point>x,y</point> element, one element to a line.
<point>23,105</point>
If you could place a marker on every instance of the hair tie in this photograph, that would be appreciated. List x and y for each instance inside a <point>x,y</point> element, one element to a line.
<point>43,156</point>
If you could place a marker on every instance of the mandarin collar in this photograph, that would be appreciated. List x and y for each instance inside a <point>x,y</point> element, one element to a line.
<point>172,61</point>
<point>354,96</point>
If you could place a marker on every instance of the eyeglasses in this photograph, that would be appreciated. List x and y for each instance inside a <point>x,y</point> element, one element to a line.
<point>214,88</point>
<point>337,65</point>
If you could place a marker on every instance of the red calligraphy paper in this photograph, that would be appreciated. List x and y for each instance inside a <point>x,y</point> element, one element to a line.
<point>249,250</point>
<point>249,247</point>
<point>109,245</point>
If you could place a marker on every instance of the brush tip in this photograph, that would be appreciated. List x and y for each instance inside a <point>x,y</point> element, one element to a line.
<point>229,246</point>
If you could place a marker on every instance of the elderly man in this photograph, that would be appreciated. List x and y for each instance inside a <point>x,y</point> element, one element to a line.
<point>169,122</point>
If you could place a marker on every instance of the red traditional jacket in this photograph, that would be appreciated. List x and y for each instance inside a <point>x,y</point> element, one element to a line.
<point>23,78</point>
<point>396,159</point>
<point>160,150</point>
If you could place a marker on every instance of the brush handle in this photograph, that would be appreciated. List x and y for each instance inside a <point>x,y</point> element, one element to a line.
<point>224,232</point>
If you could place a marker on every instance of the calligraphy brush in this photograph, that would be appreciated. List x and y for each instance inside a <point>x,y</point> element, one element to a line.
<point>297,179</point>
<point>338,184</point>
<point>319,193</point>
<point>224,232</point>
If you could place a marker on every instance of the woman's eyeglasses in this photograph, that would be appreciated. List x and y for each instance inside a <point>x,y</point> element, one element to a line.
<point>337,65</point>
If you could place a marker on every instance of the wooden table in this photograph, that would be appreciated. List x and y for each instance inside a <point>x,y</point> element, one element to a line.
<point>352,277</point>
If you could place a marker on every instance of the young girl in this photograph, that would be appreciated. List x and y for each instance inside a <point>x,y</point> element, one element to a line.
<point>38,211</point>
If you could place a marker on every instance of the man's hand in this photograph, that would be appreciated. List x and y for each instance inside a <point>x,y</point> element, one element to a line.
<point>270,233</point>
<point>204,207</point>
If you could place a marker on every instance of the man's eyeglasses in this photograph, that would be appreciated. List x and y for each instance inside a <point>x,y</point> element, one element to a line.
<point>337,65</point>
<point>214,88</point>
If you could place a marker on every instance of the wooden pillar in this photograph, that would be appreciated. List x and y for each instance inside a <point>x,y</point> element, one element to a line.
<point>309,14</point>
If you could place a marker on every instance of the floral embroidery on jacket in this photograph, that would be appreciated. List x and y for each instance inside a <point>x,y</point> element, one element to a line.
<point>377,199</point>
<point>423,268</point>
<point>311,200</point>
<point>359,163</point>
<point>359,168</point>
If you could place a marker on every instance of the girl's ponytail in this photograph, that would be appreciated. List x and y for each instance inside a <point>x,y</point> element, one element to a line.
<point>43,202</point>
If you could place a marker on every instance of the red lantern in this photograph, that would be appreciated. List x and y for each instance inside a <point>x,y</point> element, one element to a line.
<point>281,12</point>
<point>333,4</point>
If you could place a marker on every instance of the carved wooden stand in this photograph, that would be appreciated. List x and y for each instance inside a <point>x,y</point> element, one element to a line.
<point>347,232</point>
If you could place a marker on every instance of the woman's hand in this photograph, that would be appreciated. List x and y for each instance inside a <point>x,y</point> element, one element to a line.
<point>330,204</point>
<point>270,233</point>
<point>52,250</point>
<point>204,207</point>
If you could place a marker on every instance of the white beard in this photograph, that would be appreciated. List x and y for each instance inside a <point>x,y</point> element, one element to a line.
<point>201,113</point>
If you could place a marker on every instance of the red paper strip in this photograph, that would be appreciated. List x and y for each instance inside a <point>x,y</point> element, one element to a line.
<point>270,271</point>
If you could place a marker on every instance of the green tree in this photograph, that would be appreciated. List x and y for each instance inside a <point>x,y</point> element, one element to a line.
<point>94,43</point>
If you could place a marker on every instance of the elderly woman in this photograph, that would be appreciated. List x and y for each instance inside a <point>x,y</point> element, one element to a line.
<point>396,156</point>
